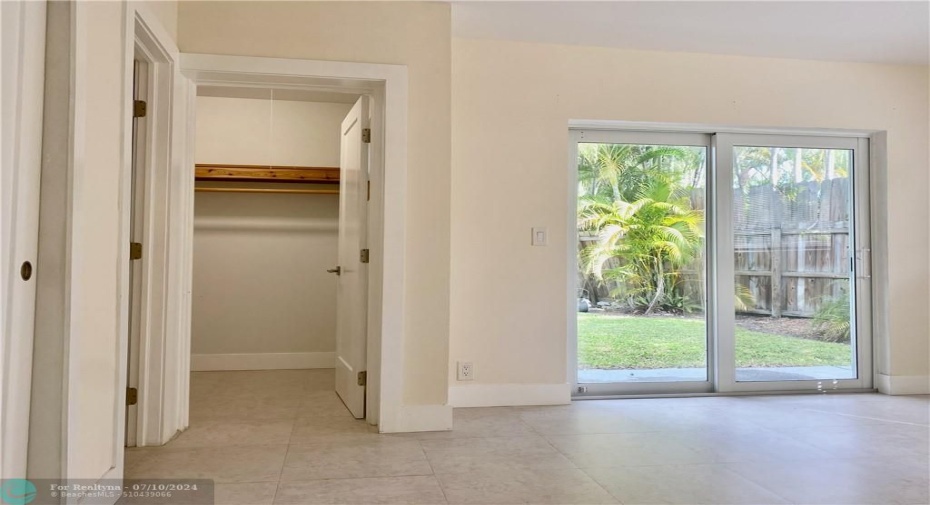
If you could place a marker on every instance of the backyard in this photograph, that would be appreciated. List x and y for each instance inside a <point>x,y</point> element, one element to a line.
<point>643,266</point>
<point>636,342</point>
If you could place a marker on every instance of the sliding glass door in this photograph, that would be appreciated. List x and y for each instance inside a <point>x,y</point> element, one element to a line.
<point>719,262</point>
<point>793,241</point>
<point>640,302</point>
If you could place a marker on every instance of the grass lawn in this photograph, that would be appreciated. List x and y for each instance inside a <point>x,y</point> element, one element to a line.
<point>631,342</point>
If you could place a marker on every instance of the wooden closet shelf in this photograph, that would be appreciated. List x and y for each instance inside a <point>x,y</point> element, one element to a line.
<point>269,190</point>
<point>265,173</point>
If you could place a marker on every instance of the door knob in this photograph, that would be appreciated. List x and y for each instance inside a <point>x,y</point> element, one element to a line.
<point>337,270</point>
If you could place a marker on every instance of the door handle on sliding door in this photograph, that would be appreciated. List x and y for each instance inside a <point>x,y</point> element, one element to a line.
<point>863,263</point>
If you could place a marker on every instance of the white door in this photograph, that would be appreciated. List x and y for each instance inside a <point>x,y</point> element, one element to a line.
<point>23,84</point>
<point>352,272</point>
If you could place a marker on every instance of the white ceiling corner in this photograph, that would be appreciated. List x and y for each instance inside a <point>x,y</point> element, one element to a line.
<point>895,32</point>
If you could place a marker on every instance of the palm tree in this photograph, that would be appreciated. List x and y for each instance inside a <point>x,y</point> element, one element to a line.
<point>619,170</point>
<point>653,237</point>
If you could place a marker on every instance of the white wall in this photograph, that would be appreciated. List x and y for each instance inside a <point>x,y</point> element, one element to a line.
<point>166,11</point>
<point>260,284</point>
<point>511,103</point>
<point>261,295</point>
<point>244,131</point>
<point>415,34</point>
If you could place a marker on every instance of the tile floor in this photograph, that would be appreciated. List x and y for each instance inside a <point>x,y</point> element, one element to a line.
<point>284,437</point>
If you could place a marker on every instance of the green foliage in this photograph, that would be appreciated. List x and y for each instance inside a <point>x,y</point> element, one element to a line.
<point>637,200</point>
<point>618,171</point>
<point>680,303</point>
<point>744,299</point>
<point>783,168</point>
<point>653,237</point>
<point>832,320</point>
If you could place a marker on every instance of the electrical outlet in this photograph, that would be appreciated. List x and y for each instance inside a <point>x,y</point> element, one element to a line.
<point>466,371</point>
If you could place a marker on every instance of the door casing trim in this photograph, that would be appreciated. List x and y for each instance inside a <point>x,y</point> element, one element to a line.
<point>387,87</point>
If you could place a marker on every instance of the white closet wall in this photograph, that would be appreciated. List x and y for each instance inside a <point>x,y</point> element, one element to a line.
<point>261,296</point>
<point>244,131</point>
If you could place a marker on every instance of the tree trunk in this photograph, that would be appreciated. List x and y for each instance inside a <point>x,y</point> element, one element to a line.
<point>660,288</point>
<point>774,157</point>
<point>798,168</point>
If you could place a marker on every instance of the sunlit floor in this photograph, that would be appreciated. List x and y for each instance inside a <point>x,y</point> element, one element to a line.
<point>284,437</point>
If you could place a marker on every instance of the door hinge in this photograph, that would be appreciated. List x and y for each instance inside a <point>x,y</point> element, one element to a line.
<point>138,108</point>
<point>135,250</point>
<point>364,255</point>
<point>362,378</point>
<point>366,135</point>
<point>368,198</point>
<point>132,396</point>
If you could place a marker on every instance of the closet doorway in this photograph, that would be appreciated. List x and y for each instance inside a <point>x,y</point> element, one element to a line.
<point>280,253</point>
<point>167,399</point>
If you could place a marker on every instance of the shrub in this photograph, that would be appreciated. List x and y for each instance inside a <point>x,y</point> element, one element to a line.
<point>832,320</point>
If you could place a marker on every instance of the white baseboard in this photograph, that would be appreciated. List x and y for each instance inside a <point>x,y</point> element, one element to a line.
<point>903,384</point>
<point>422,418</point>
<point>505,395</point>
<point>262,361</point>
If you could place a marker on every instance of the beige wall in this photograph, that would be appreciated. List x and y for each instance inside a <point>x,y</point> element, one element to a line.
<point>511,106</point>
<point>166,11</point>
<point>260,283</point>
<point>413,34</point>
<point>244,131</point>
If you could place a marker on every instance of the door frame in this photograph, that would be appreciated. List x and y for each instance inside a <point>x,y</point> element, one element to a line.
<point>869,149</point>
<point>386,86</point>
<point>146,354</point>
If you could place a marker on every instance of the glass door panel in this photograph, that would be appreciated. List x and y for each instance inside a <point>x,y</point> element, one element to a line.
<point>792,235</point>
<point>641,277</point>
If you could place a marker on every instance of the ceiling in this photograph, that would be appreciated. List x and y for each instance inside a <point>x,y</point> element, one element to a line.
<point>872,31</point>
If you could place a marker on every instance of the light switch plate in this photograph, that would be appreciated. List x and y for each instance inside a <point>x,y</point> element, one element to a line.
<point>540,236</point>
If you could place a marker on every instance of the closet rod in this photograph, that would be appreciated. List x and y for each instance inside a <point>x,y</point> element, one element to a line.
<point>269,190</point>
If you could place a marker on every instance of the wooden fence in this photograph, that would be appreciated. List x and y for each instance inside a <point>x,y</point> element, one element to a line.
<point>791,248</point>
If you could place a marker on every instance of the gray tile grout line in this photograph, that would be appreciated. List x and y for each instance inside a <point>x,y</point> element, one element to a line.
<point>433,470</point>
<point>854,416</point>
<point>287,452</point>
<point>556,449</point>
